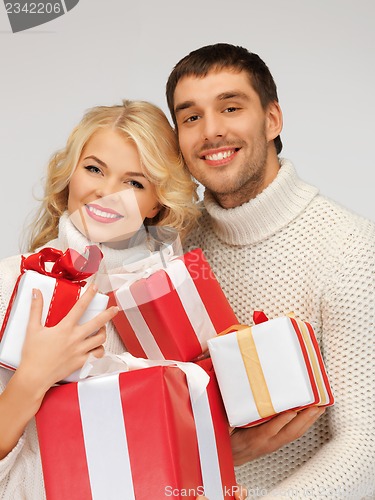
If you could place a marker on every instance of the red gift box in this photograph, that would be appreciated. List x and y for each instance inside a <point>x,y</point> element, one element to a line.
<point>135,435</point>
<point>173,312</point>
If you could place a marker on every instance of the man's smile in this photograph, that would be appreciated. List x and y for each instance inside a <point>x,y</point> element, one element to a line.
<point>219,156</point>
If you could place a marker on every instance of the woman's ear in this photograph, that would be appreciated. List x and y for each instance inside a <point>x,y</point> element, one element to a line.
<point>274,123</point>
<point>153,212</point>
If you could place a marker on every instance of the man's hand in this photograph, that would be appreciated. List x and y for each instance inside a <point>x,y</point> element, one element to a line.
<point>249,444</point>
<point>240,493</point>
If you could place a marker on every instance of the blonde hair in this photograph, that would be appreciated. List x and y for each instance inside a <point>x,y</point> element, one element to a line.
<point>146,125</point>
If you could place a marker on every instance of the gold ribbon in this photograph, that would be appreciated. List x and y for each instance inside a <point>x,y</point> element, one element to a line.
<point>254,371</point>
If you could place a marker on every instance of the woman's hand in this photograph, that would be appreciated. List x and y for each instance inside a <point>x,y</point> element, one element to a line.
<point>48,355</point>
<point>52,353</point>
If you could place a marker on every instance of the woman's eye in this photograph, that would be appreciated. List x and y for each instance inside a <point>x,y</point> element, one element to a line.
<point>136,184</point>
<point>93,168</point>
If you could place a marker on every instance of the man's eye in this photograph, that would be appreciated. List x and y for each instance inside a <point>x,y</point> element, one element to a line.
<point>93,168</point>
<point>192,118</point>
<point>230,109</point>
<point>136,184</point>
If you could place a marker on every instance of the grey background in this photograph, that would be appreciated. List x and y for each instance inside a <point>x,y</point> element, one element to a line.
<point>321,54</point>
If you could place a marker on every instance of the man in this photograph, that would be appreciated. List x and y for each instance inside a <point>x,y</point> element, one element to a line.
<point>277,245</point>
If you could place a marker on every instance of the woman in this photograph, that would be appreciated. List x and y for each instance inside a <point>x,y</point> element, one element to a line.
<point>120,168</point>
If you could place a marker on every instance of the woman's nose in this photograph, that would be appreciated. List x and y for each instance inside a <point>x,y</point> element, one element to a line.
<point>107,189</point>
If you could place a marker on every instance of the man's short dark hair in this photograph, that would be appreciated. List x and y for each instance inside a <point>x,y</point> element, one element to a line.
<point>220,56</point>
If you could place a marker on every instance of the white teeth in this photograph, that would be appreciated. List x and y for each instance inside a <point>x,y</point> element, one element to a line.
<point>100,213</point>
<point>220,156</point>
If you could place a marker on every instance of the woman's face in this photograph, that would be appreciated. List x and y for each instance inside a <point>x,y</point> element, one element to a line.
<point>109,195</point>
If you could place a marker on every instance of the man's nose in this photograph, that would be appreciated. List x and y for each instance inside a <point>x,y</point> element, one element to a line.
<point>213,127</point>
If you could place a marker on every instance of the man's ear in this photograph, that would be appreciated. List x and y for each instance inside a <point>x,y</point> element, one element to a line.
<point>274,120</point>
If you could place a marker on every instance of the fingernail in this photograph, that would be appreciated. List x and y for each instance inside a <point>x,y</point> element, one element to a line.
<point>204,355</point>
<point>291,415</point>
<point>34,293</point>
<point>95,287</point>
<point>316,410</point>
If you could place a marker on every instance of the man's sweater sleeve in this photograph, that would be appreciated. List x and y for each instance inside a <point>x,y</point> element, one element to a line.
<point>345,466</point>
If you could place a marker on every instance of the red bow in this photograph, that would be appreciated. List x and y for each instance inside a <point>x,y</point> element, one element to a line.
<point>69,265</point>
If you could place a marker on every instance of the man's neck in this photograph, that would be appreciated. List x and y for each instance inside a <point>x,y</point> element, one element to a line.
<point>252,188</point>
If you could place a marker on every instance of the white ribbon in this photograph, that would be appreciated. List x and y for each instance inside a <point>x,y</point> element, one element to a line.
<point>191,302</point>
<point>138,323</point>
<point>107,453</point>
<point>134,271</point>
<point>206,437</point>
<point>105,438</point>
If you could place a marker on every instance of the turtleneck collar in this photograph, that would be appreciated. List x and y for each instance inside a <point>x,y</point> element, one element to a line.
<point>70,237</point>
<point>275,207</point>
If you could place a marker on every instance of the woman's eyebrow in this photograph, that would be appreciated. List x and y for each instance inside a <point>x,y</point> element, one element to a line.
<point>93,157</point>
<point>136,174</point>
<point>103,164</point>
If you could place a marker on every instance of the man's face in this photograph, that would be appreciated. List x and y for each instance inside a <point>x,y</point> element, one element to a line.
<point>225,134</point>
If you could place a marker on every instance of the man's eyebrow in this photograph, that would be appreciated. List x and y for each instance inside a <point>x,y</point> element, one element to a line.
<point>184,105</point>
<point>233,94</point>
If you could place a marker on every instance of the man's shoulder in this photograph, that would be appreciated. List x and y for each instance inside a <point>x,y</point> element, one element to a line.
<point>340,220</point>
<point>203,226</point>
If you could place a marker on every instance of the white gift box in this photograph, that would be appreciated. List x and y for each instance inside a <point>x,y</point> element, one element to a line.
<point>269,368</point>
<point>16,324</point>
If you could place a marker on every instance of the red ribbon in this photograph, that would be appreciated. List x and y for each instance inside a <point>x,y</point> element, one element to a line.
<point>70,267</point>
<point>259,317</point>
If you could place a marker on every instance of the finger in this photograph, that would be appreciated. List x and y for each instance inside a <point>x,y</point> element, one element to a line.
<point>36,309</point>
<point>98,352</point>
<point>240,493</point>
<point>277,423</point>
<point>94,324</point>
<point>303,421</point>
<point>96,340</point>
<point>204,355</point>
<point>81,305</point>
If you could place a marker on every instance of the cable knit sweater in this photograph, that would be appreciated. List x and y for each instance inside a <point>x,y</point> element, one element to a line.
<point>291,249</point>
<point>21,471</point>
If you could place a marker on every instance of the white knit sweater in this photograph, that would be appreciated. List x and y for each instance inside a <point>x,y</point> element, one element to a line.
<point>20,471</point>
<point>290,249</point>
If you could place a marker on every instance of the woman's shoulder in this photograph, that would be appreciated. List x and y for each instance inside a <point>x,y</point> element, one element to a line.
<point>10,269</point>
<point>10,265</point>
